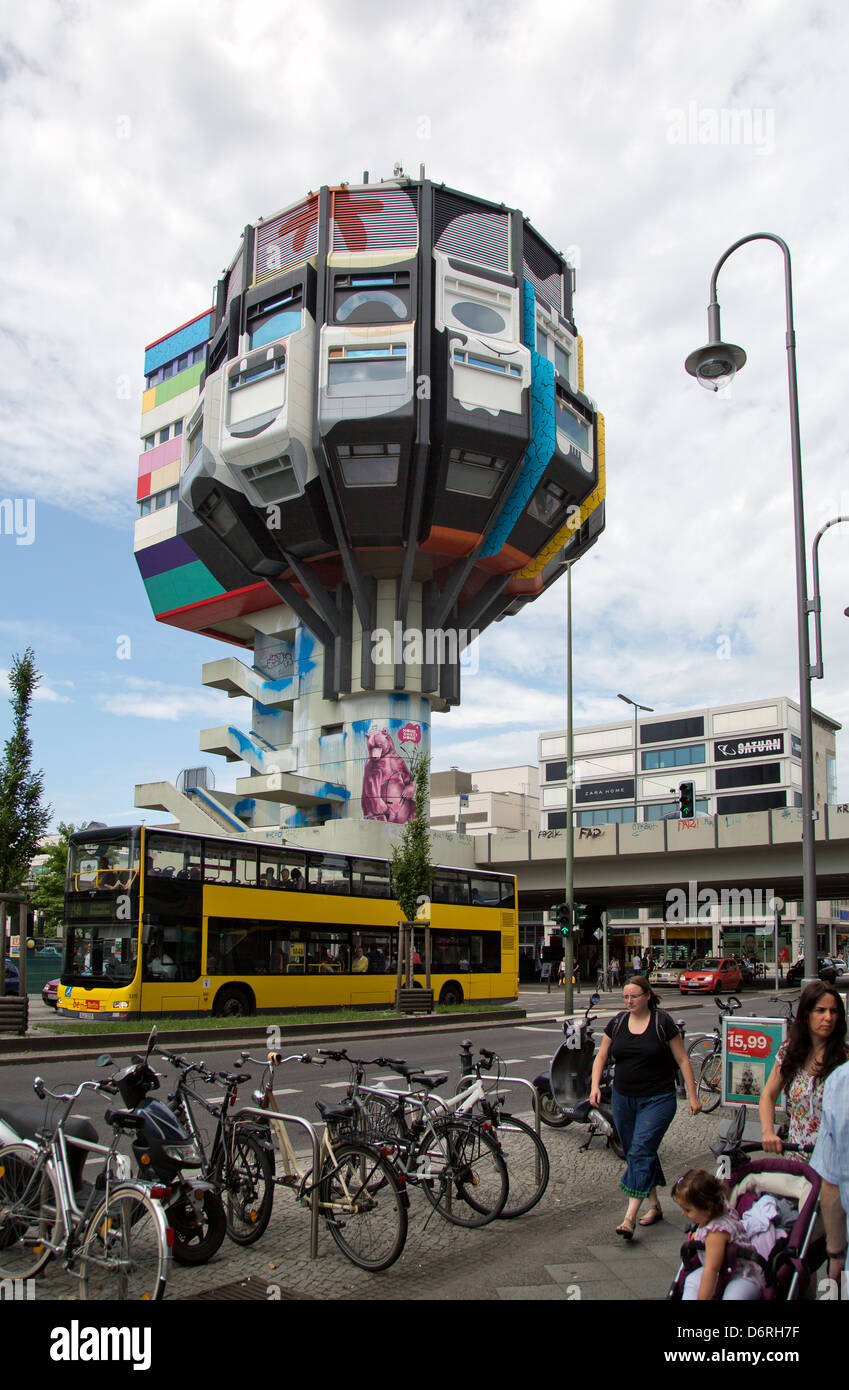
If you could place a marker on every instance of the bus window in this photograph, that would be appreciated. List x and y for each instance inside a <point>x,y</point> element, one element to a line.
<point>370,878</point>
<point>484,952</point>
<point>218,865</point>
<point>377,949</point>
<point>486,892</point>
<point>508,892</point>
<point>328,873</point>
<point>172,953</point>
<point>450,951</point>
<point>172,856</point>
<point>450,887</point>
<point>328,953</point>
<point>272,870</point>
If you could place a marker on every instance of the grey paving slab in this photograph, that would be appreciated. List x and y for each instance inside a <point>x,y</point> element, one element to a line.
<point>580,1272</point>
<point>535,1293</point>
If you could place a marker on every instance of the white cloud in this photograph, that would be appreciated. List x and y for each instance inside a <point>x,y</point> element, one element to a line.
<point>139,141</point>
<point>148,699</point>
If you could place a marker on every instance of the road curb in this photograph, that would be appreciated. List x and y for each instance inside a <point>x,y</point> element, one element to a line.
<point>33,1049</point>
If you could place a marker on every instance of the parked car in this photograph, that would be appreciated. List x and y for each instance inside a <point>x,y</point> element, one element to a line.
<point>50,951</point>
<point>711,975</point>
<point>827,969</point>
<point>668,972</point>
<point>50,992</point>
<point>12,977</point>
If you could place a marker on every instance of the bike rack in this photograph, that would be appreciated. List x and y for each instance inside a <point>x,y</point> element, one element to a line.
<point>517,1081</point>
<point>252,1112</point>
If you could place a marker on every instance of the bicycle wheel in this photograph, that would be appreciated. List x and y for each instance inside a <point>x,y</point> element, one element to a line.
<point>125,1254</point>
<point>709,1088</point>
<point>247,1183</point>
<point>463,1175</point>
<point>701,1047</point>
<point>29,1213</point>
<point>364,1206</point>
<point>525,1155</point>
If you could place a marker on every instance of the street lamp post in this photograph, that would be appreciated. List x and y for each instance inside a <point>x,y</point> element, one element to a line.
<point>714,366</point>
<point>814,603</point>
<point>649,710</point>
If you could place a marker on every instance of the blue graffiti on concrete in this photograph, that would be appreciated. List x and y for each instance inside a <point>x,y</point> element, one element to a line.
<point>543,440</point>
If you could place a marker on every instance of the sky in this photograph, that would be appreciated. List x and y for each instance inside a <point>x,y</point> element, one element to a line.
<point>641,140</point>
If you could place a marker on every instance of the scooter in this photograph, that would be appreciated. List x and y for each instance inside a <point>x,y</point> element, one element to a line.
<point>164,1149</point>
<point>564,1090</point>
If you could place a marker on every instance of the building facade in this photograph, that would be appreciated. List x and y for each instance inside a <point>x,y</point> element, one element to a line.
<point>744,757</point>
<point>374,444</point>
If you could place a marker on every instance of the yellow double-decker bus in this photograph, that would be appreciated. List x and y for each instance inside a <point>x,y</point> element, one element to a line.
<point>160,922</point>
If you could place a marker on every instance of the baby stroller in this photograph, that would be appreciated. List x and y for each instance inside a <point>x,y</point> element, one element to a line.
<point>784,1246</point>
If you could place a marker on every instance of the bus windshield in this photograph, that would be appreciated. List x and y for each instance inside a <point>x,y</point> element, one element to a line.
<point>102,861</point>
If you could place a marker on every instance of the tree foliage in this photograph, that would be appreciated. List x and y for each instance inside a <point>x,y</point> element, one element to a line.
<point>411,866</point>
<point>48,895</point>
<point>23,816</point>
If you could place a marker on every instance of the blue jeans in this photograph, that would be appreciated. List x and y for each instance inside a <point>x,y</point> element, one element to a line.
<point>642,1122</point>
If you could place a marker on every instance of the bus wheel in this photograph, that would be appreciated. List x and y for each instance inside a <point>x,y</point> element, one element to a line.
<point>451,993</point>
<point>233,1003</point>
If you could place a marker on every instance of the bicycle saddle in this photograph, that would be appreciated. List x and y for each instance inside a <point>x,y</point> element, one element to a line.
<point>430,1082</point>
<point>342,1110</point>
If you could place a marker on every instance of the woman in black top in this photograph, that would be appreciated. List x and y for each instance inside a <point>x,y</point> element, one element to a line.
<point>647,1048</point>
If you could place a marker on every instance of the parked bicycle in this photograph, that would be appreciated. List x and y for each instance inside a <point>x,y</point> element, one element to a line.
<point>455,1161</point>
<point>112,1234</point>
<point>355,1185</point>
<point>706,1050</point>
<point>522,1149</point>
<point>238,1160</point>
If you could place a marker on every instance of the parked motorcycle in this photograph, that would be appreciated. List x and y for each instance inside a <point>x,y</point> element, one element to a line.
<point>163,1147</point>
<point>564,1090</point>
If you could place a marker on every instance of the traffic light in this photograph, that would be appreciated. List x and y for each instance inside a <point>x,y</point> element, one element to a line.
<point>582,912</point>
<point>687,800</point>
<point>562,918</point>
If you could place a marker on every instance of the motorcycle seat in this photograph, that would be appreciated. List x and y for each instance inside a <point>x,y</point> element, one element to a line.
<point>569,1078</point>
<point>28,1121</point>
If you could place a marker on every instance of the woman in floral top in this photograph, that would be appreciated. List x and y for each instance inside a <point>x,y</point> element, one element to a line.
<point>815,1045</point>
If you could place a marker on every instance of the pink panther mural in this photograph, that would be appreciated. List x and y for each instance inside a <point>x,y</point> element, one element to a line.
<point>389,784</point>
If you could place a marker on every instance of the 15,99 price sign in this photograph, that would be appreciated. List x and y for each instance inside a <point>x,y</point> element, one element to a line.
<point>749,1049</point>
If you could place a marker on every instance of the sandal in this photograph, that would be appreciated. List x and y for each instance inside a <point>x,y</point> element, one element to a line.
<point>626,1228</point>
<point>653,1215</point>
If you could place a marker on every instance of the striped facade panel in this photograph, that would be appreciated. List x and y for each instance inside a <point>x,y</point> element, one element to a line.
<point>191,335</point>
<point>463,229</point>
<point>362,220</point>
<point>544,270</point>
<point>286,240</point>
<point>152,459</point>
<point>174,386</point>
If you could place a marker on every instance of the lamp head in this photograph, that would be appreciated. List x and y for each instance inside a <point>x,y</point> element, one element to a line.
<point>715,365</point>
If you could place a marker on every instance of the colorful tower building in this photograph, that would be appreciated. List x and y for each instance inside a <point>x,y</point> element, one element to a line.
<point>372,446</point>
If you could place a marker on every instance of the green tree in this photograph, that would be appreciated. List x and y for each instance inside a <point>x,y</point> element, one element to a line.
<point>23,816</point>
<point>48,895</point>
<point>411,866</point>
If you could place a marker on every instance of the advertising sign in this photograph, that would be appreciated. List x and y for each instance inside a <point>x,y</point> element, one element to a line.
<point>749,1049</point>
<point>735,748</point>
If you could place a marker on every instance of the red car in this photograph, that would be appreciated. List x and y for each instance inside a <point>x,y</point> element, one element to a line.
<point>49,993</point>
<point>711,975</point>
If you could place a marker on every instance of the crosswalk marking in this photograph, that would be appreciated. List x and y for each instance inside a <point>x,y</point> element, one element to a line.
<point>333,1085</point>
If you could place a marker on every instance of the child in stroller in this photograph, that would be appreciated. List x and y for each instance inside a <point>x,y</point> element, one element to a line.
<point>753,1236</point>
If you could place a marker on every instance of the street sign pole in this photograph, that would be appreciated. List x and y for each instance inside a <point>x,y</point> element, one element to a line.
<point>568,944</point>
